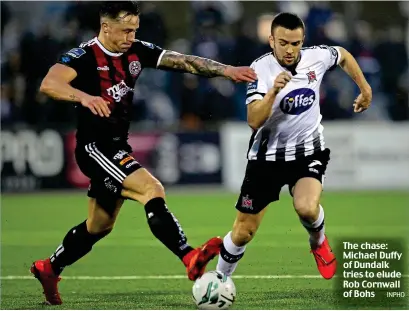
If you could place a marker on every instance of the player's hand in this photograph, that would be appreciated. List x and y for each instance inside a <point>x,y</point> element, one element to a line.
<point>240,74</point>
<point>97,105</point>
<point>281,81</point>
<point>363,101</point>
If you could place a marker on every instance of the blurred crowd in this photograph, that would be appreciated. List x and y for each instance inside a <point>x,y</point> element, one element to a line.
<point>219,30</point>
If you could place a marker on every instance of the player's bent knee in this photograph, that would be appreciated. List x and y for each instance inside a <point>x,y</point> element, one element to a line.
<point>306,207</point>
<point>94,227</point>
<point>155,190</point>
<point>142,185</point>
<point>152,190</point>
<point>100,230</point>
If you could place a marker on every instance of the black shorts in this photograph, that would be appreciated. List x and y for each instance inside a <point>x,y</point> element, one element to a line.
<point>264,179</point>
<point>107,166</point>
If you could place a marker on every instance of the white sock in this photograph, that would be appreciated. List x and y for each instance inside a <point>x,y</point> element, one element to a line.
<point>229,256</point>
<point>316,237</point>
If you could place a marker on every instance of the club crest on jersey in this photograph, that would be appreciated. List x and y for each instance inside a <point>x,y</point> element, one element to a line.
<point>297,101</point>
<point>311,76</point>
<point>135,68</point>
<point>109,185</point>
<point>246,202</point>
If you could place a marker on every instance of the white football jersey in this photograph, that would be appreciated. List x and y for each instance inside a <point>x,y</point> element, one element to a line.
<point>294,129</point>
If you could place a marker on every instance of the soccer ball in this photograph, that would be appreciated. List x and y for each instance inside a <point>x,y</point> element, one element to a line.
<point>214,291</point>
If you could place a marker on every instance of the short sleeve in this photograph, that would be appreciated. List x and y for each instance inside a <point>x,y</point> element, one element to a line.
<point>258,89</point>
<point>149,54</point>
<point>74,58</point>
<point>331,56</point>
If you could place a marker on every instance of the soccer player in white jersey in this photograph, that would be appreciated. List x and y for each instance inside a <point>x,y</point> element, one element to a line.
<point>287,144</point>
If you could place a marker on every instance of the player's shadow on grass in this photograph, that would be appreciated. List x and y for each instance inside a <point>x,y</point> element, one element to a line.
<point>148,300</point>
<point>295,299</point>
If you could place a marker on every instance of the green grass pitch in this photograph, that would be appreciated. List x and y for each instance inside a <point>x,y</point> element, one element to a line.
<point>32,226</point>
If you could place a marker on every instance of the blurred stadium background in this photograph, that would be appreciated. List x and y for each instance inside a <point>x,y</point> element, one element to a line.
<point>191,133</point>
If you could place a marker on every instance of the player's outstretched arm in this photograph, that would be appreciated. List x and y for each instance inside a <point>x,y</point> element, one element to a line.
<point>56,84</point>
<point>351,67</point>
<point>205,67</point>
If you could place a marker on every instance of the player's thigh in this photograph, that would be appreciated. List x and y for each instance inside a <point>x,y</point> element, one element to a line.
<point>142,186</point>
<point>307,184</point>
<point>107,166</point>
<point>98,219</point>
<point>313,166</point>
<point>261,186</point>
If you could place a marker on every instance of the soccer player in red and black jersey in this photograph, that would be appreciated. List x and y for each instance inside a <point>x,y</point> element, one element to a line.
<point>99,77</point>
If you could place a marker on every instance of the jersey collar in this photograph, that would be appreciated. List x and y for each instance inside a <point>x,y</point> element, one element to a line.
<point>105,50</point>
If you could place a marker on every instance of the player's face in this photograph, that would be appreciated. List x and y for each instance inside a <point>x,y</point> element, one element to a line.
<point>121,32</point>
<point>287,44</point>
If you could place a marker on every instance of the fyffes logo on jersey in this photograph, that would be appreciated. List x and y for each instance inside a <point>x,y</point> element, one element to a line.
<point>119,90</point>
<point>297,101</point>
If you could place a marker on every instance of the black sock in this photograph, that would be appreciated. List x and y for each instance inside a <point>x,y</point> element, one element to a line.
<point>166,228</point>
<point>77,243</point>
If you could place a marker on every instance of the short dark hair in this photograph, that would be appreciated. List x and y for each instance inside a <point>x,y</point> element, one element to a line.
<point>287,20</point>
<point>112,9</point>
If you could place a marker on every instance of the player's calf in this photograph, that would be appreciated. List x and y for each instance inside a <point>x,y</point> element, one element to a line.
<point>320,248</point>
<point>166,228</point>
<point>230,254</point>
<point>234,243</point>
<point>243,232</point>
<point>311,215</point>
<point>315,226</point>
<point>80,239</point>
<point>76,244</point>
<point>306,196</point>
<point>307,192</point>
<point>143,187</point>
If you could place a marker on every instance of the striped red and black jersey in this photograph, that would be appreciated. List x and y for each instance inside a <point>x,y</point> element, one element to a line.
<point>111,76</point>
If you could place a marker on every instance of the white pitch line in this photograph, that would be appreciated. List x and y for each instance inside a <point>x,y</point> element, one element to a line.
<point>159,277</point>
<point>163,277</point>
